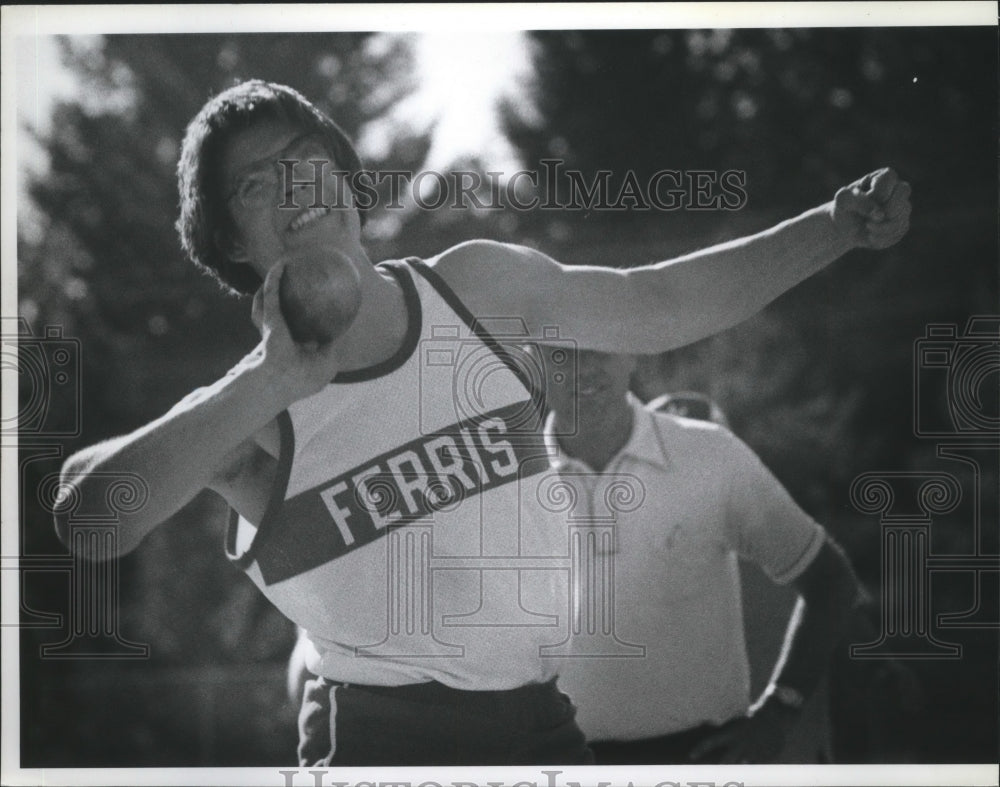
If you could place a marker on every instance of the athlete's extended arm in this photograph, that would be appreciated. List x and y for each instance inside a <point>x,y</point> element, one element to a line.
<point>192,446</point>
<point>657,307</point>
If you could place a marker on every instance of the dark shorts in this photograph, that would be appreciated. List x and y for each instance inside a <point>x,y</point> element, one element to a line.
<point>432,724</point>
<point>672,749</point>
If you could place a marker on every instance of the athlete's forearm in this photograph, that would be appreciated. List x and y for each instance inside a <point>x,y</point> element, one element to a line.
<point>679,301</point>
<point>715,289</point>
<point>176,456</point>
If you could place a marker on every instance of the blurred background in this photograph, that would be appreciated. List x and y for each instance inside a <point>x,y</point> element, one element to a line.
<point>821,384</point>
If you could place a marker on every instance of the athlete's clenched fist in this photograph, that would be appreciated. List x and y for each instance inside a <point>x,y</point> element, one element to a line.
<point>873,212</point>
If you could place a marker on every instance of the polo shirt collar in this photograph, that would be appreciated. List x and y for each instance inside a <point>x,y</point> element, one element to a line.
<point>644,444</point>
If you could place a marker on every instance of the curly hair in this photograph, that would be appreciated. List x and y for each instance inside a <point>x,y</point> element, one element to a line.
<point>203,212</point>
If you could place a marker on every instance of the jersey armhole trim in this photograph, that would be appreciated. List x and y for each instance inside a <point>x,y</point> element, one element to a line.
<point>455,303</point>
<point>274,502</point>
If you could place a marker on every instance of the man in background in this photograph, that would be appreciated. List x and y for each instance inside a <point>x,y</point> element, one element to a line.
<point>679,690</point>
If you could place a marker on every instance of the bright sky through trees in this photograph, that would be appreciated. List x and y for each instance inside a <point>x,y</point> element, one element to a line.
<point>460,79</point>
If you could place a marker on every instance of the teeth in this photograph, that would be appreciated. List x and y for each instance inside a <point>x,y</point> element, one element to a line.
<point>307,218</point>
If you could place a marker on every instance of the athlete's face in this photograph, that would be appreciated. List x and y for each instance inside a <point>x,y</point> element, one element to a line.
<point>269,219</point>
<point>585,382</point>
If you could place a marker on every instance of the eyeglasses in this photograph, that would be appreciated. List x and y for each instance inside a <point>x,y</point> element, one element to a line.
<point>260,183</point>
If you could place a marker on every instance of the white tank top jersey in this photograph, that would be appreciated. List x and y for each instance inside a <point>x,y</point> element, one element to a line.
<point>405,531</point>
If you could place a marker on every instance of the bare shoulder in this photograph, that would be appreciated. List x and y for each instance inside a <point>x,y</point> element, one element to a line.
<point>491,276</point>
<point>509,281</point>
<point>476,257</point>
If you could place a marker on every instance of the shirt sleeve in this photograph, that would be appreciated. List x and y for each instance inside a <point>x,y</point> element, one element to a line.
<point>763,523</point>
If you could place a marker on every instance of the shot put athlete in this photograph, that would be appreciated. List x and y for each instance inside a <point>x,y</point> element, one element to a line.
<point>378,502</point>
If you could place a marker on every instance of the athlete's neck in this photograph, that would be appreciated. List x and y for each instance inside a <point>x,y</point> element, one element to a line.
<point>379,329</point>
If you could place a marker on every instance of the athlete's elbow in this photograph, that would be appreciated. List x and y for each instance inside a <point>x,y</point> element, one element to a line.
<point>98,540</point>
<point>65,497</point>
<point>99,513</point>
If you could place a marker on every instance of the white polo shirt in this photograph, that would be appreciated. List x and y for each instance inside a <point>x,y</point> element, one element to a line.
<point>691,498</point>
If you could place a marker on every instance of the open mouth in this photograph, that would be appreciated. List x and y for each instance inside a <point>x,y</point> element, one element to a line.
<point>307,218</point>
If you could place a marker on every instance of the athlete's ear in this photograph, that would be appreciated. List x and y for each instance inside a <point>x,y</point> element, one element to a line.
<point>234,250</point>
